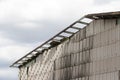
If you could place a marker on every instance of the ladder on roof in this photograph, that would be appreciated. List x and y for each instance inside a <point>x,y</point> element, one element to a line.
<point>57,39</point>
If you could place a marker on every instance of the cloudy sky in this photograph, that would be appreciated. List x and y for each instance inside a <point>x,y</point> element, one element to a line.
<point>25,24</point>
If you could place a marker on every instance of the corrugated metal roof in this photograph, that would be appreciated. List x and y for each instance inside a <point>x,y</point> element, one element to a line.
<point>58,38</point>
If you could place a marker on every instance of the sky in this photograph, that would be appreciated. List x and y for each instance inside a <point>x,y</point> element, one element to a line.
<point>25,24</point>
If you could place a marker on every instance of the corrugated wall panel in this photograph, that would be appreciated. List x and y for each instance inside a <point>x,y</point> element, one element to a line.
<point>93,53</point>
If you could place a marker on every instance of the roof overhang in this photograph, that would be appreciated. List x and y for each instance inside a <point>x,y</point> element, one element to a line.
<point>63,35</point>
<point>108,15</point>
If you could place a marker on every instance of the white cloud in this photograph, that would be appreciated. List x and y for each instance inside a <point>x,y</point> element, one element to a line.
<point>100,2</point>
<point>111,7</point>
<point>22,10</point>
<point>27,9</point>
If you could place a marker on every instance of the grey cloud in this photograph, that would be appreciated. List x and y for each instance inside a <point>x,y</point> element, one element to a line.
<point>49,29</point>
<point>4,63</point>
<point>7,78</point>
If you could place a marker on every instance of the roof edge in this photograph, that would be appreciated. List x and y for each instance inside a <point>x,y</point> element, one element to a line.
<point>49,43</point>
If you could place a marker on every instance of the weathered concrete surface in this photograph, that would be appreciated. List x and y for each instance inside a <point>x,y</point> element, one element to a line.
<point>93,53</point>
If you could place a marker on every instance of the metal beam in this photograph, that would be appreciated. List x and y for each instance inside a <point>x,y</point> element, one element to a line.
<point>56,40</point>
<point>75,28</point>
<point>62,36</point>
<point>68,32</point>
<point>45,47</point>
<point>83,22</point>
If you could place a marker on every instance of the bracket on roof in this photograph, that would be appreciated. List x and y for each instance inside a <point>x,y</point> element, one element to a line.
<point>75,28</point>
<point>62,36</point>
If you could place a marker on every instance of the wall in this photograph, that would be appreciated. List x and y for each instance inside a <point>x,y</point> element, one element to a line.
<point>93,53</point>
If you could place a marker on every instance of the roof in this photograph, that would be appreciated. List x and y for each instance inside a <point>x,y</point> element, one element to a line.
<point>108,15</point>
<point>61,36</point>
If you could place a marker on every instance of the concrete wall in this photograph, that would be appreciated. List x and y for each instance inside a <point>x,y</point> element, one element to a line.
<point>93,53</point>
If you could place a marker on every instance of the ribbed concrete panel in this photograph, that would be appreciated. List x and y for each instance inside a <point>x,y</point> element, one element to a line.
<point>93,53</point>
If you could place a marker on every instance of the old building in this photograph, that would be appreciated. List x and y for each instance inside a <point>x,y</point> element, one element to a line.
<point>88,53</point>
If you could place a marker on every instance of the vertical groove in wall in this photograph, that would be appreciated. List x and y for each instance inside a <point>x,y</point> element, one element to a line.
<point>93,53</point>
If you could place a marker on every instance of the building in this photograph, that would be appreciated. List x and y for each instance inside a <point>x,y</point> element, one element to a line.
<point>88,53</point>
